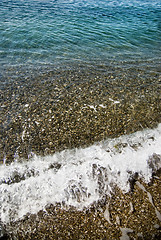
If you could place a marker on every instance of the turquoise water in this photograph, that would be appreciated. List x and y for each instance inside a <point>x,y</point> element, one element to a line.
<point>43,32</point>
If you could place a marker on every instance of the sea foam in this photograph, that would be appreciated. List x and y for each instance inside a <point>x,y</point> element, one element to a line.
<point>78,177</point>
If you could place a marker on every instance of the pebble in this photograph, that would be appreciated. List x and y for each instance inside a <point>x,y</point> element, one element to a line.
<point>96,222</point>
<point>78,115</point>
<point>63,97</point>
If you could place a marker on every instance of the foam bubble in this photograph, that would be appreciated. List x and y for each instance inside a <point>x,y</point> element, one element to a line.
<point>77,177</point>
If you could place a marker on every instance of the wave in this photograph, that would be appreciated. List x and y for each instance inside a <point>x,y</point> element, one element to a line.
<point>78,177</point>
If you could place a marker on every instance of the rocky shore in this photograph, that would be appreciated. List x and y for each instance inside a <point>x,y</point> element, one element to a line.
<point>132,215</point>
<point>55,111</point>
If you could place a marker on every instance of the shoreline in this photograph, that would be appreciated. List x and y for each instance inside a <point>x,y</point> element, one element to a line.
<point>106,106</point>
<point>132,215</point>
<point>121,214</point>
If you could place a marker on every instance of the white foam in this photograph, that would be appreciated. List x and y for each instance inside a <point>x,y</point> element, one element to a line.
<point>76,177</point>
<point>107,214</point>
<point>125,232</point>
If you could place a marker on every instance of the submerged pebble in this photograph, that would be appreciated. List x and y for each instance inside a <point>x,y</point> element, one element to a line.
<point>47,115</point>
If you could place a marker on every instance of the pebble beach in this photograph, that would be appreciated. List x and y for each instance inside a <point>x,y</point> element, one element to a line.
<point>80,119</point>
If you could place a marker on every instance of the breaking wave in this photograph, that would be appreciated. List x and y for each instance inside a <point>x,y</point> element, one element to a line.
<point>78,177</point>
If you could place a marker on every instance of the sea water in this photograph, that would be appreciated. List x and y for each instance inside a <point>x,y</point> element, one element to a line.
<point>79,78</point>
<point>62,32</point>
<point>78,177</point>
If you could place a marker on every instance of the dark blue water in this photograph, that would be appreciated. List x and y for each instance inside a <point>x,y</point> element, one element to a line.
<point>50,32</point>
